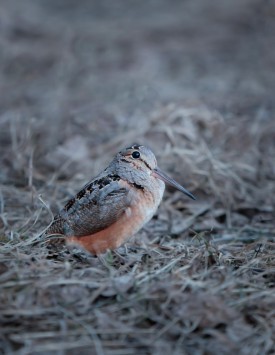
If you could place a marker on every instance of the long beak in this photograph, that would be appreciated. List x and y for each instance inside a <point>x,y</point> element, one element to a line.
<point>162,176</point>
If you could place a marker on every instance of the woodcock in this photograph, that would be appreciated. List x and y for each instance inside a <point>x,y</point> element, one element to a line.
<point>116,204</point>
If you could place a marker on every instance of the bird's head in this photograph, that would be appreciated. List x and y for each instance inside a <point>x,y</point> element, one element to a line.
<point>143,159</point>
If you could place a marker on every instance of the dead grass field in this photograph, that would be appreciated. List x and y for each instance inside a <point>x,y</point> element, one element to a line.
<point>79,80</point>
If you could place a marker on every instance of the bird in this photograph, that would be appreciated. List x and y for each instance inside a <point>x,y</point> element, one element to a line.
<point>116,204</point>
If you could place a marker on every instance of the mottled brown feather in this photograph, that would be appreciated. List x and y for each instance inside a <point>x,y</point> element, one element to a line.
<point>92,209</point>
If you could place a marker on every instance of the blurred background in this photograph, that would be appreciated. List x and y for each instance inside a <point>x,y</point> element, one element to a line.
<point>194,80</point>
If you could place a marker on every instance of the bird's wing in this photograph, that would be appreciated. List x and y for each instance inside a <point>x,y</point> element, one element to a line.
<point>97,206</point>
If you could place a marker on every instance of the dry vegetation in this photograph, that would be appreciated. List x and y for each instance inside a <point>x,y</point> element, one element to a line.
<point>196,82</point>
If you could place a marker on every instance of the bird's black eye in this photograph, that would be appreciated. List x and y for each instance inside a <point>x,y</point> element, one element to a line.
<point>136,154</point>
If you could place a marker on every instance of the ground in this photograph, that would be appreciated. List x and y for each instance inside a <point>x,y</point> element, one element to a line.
<point>195,81</point>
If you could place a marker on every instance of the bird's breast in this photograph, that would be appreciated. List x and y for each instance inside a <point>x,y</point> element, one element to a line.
<point>148,201</point>
<point>143,205</point>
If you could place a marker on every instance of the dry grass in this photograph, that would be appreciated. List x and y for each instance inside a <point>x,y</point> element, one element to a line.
<point>199,278</point>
